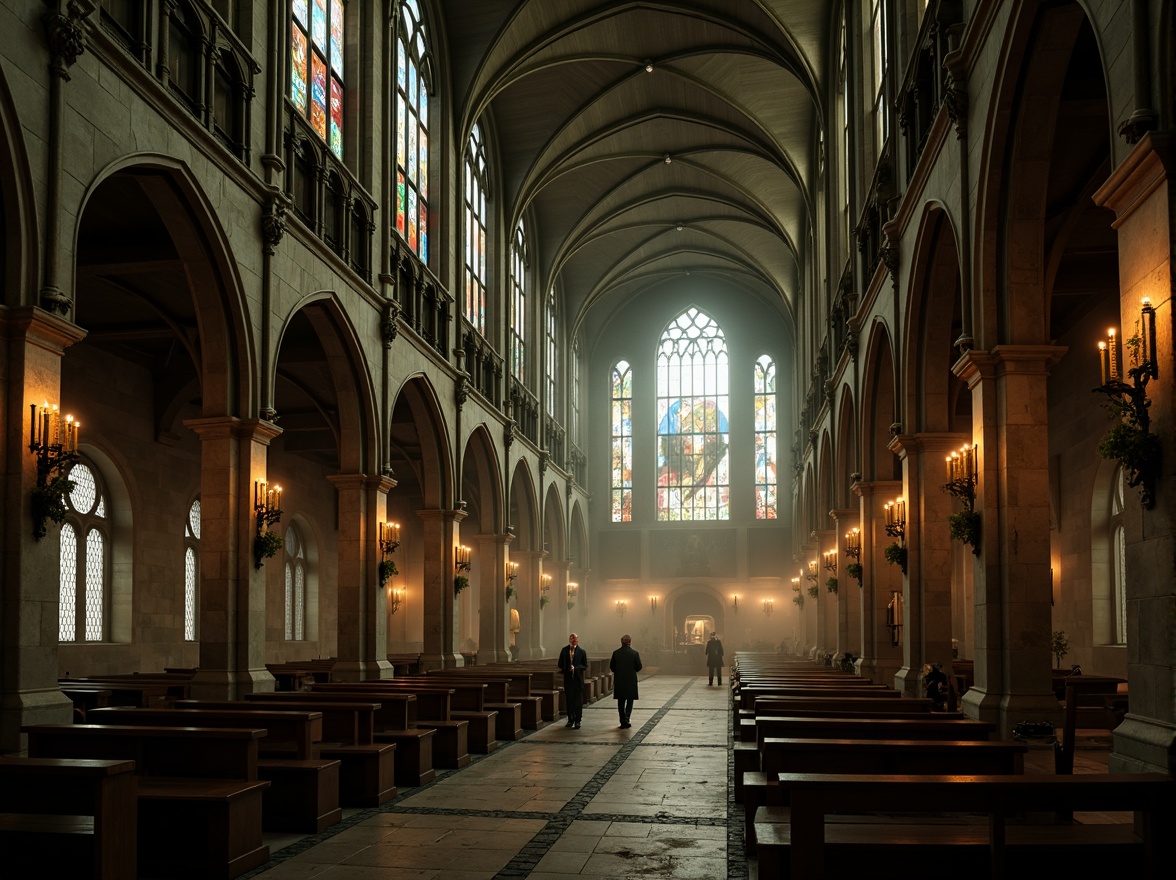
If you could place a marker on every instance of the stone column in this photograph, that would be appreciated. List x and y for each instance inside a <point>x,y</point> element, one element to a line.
<point>1140,194</point>
<point>927,597</point>
<point>557,608</point>
<point>233,455</point>
<point>363,610</point>
<point>530,640</point>
<point>439,538</point>
<point>827,611</point>
<point>32,342</point>
<point>880,659</point>
<point>493,613</point>
<point>849,594</point>
<point>1012,585</point>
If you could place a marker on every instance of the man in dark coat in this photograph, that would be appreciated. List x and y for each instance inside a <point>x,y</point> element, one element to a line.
<point>573,661</point>
<point>714,660</point>
<point>625,664</point>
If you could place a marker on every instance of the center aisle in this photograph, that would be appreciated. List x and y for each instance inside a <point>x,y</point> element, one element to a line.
<point>598,802</point>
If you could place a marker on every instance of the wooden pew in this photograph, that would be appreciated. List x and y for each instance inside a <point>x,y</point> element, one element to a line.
<point>367,769</point>
<point>304,788</point>
<point>123,693</point>
<point>913,727</point>
<point>517,690</point>
<point>82,811</point>
<point>394,722</point>
<point>887,757</point>
<point>1001,848</point>
<point>201,779</point>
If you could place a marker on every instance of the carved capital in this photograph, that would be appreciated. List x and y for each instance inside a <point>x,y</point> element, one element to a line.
<point>955,102</point>
<point>66,32</point>
<point>273,221</point>
<point>390,323</point>
<point>888,254</point>
<point>55,301</point>
<point>461,389</point>
<point>851,343</point>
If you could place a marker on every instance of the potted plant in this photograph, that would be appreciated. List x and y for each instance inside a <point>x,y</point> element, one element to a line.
<point>831,585</point>
<point>854,570</point>
<point>1060,646</point>
<point>896,554</point>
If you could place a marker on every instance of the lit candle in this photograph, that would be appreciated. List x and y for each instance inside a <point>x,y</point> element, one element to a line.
<point>1104,361</point>
<point>1113,352</point>
<point>277,497</point>
<point>949,473</point>
<point>258,493</point>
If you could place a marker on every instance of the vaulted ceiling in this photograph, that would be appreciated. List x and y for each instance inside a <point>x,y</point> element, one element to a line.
<point>646,140</point>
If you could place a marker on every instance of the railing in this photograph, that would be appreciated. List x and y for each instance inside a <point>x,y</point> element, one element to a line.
<point>875,215</point>
<point>525,410</point>
<point>482,363</point>
<point>187,47</point>
<point>926,82</point>
<point>424,304</point>
<point>553,442</point>
<point>579,465</point>
<point>844,308</point>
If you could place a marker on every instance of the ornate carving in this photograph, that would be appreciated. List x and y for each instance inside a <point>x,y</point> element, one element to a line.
<point>273,221</point>
<point>542,463</point>
<point>1139,124</point>
<point>508,433</point>
<point>55,301</point>
<point>461,389</point>
<point>955,102</point>
<point>888,254</point>
<point>390,322</point>
<point>851,343</point>
<point>66,33</point>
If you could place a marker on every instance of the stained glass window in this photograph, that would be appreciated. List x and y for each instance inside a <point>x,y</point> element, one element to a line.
<point>191,569</point>
<point>518,305</point>
<point>316,66</point>
<point>83,567</point>
<point>622,442</point>
<point>475,232</point>
<point>692,429</point>
<point>295,604</point>
<point>412,131</point>
<point>552,362</point>
<point>765,438</point>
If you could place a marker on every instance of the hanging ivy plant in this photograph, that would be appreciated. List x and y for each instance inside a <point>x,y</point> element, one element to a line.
<point>798,600</point>
<point>571,605</point>
<point>1139,453</point>
<point>49,503</point>
<point>265,546</point>
<point>896,554</point>
<point>831,584</point>
<point>854,570</point>
<point>965,527</point>
<point>814,591</point>
<point>460,583</point>
<point>387,569</point>
<point>543,600</point>
<point>510,591</point>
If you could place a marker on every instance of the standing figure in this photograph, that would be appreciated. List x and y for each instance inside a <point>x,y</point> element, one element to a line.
<point>625,664</point>
<point>714,660</point>
<point>573,662</point>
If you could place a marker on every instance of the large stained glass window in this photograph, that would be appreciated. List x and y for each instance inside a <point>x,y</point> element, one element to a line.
<point>552,371</point>
<point>316,67</point>
<point>83,572</point>
<point>518,305</point>
<point>622,442</point>
<point>692,430</point>
<point>475,232</point>
<point>191,569</point>
<point>412,131</point>
<point>765,438</point>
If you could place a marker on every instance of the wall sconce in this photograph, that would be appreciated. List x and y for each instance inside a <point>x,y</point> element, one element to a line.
<point>768,607</point>
<point>54,445</point>
<point>462,557</point>
<point>573,591</point>
<point>388,539</point>
<point>622,607</point>
<point>831,561</point>
<point>267,508</point>
<point>961,482</point>
<point>544,589</point>
<point>853,544</point>
<point>796,585</point>
<point>735,602</point>
<point>395,599</point>
<point>653,604</point>
<point>512,572</point>
<point>1130,440</point>
<point>813,566</point>
<point>896,518</point>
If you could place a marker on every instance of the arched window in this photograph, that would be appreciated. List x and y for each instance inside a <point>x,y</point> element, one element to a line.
<point>304,182</point>
<point>878,35</point>
<point>316,67</point>
<point>518,305</point>
<point>765,438</point>
<point>622,442</point>
<point>843,163</point>
<point>295,628</point>
<point>1118,544</point>
<point>334,213</point>
<point>228,115</point>
<point>475,232</point>
<point>412,130</point>
<point>575,391</point>
<point>183,53</point>
<point>191,569</point>
<point>551,374</point>
<point>692,429</point>
<point>84,562</point>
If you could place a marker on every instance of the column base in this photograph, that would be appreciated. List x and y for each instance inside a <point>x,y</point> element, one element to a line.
<point>48,706</point>
<point>1143,745</point>
<point>909,681</point>
<point>441,661</point>
<point>221,684</point>
<point>361,670</point>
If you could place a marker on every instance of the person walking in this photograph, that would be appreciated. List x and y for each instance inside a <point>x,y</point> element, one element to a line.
<point>625,664</point>
<point>714,660</point>
<point>573,662</point>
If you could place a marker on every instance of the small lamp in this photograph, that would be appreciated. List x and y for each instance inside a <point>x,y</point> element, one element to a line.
<point>622,607</point>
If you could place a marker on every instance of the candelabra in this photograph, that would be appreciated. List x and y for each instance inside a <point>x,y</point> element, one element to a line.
<point>387,539</point>
<point>653,604</point>
<point>54,445</point>
<point>544,589</point>
<point>896,518</point>
<point>735,602</point>
<point>622,607</point>
<point>267,509</point>
<point>512,572</point>
<point>853,544</point>
<point>396,598</point>
<point>462,557</point>
<point>813,567</point>
<point>573,591</point>
<point>768,607</point>
<point>831,561</point>
<point>961,482</point>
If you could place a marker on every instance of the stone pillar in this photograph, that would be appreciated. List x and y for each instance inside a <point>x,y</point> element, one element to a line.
<point>233,455</point>
<point>1140,193</point>
<point>363,610</point>
<point>529,637</point>
<point>557,608</point>
<point>927,597</point>
<point>827,611</point>
<point>493,613</point>
<point>439,539</point>
<point>31,345</point>
<point>849,593</point>
<point>1012,586</point>
<point>880,659</point>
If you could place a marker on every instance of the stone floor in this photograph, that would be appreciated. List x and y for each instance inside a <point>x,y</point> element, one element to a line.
<point>599,802</point>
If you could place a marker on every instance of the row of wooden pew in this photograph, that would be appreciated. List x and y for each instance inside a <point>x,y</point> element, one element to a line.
<point>837,774</point>
<point>225,771</point>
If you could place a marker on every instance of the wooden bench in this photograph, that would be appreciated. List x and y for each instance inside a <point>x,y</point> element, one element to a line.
<point>82,811</point>
<point>806,845</point>
<point>886,757</point>
<point>517,687</point>
<point>304,787</point>
<point>830,727</point>
<point>840,704</point>
<point>201,779</point>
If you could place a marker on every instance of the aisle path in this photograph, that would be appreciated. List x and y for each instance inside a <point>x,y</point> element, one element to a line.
<point>598,802</point>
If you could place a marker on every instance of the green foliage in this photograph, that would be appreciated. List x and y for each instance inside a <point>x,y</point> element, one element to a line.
<point>571,605</point>
<point>510,591</point>
<point>1060,645</point>
<point>49,503</point>
<point>854,570</point>
<point>798,600</point>
<point>265,546</point>
<point>965,527</point>
<point>1136,449</point>
<point>831,584</point>
<point>814,591</point>
<point>387,569</point>
<point>543,600</point>
<point>896,554</point>
<point>460,583</point>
